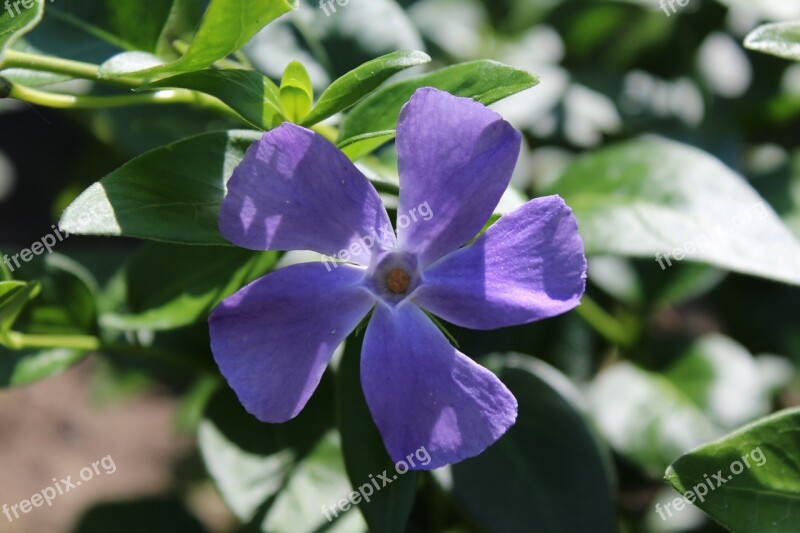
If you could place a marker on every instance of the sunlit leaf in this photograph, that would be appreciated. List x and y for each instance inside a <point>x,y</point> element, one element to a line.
<point>748,480</point>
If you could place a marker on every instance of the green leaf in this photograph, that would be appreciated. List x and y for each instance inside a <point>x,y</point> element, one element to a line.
<point>358,83</point>
<point>357,147</point>
<point>484,81</point>
<point>14,296</point>
<point>5,273</point>
<point>58,38</point>
<point>125,24</point>
<point>19,368</point>
<point>364,452</point>
<point>164,513</point>
<point>296,93</point>
<point>67,303</point>
<point>655,198</point>
<point>166,286</point>
<point>645,418</point>
<point>690,281</point>
<point>318,482</point>
<point>169,194</point>
<point>617,277</point>
<point>252,95</point>
<point>274,476</point>
<point>184,19</point>
<point>760,485</point>
<point>225,28</point>
<point>250,461</point>
<point>518,483</point>
<point>721,377</point>
<point>193,404</point>
<point>64,302</point>
<point>780,39</point>
<point>14,25</point>
<point>629,280</point>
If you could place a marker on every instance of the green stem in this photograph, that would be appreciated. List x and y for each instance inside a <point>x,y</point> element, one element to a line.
<point>604,323</point>
<point>20,341</point>
<point>89,343</point>
<point>69,101</point>
<point>89,71</point>
<point>75,69</point>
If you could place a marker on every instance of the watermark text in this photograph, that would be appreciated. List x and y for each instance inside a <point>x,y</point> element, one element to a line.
<point>709,484</point>
<point>376,483</point>
<point>59,488</point>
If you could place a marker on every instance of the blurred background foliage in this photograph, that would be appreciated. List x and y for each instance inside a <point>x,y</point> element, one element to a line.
<point>702,351</point>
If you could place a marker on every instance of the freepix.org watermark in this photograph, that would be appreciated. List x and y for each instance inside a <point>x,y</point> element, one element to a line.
<point>45,243</point>
<point>375,484</point>
<point>709,484</point>
<point>669,6</point>
<point>328,6</point>
<point>757,211</point>
<point>59,488</point>
<point>421,213</point>
<point>15,7</point>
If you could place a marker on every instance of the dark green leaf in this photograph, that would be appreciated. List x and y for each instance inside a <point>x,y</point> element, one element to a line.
<point>358,83</point>
<point>518,483</point>
<point>780,39</point>
<point>165,286</point>
<point>484,81</point>
<point>67,303</point>
<point>125,24</point>
<point>226,27</point>
<point>760,485</point>
<point>193,404</point>
<point>170,194</point>
<point>183,20</point>
<point>364,452</point>
<point>69,37</point>
<point>141,514</point>
<point>64,303</point>
<point>655,198</point>
<point>254,96</point>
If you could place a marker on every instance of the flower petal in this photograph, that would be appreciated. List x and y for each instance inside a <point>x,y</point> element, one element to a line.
<point>457,156</point>
<point>273,339</point>
<point>422,392</point>
<point>294,190</point>
<point>528,266</point>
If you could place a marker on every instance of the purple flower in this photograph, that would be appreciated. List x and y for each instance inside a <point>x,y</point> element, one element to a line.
<point>296,191</point>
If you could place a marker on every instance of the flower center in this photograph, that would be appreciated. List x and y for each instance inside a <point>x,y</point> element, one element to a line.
<point>393,275</point>
<point>397,281</point>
